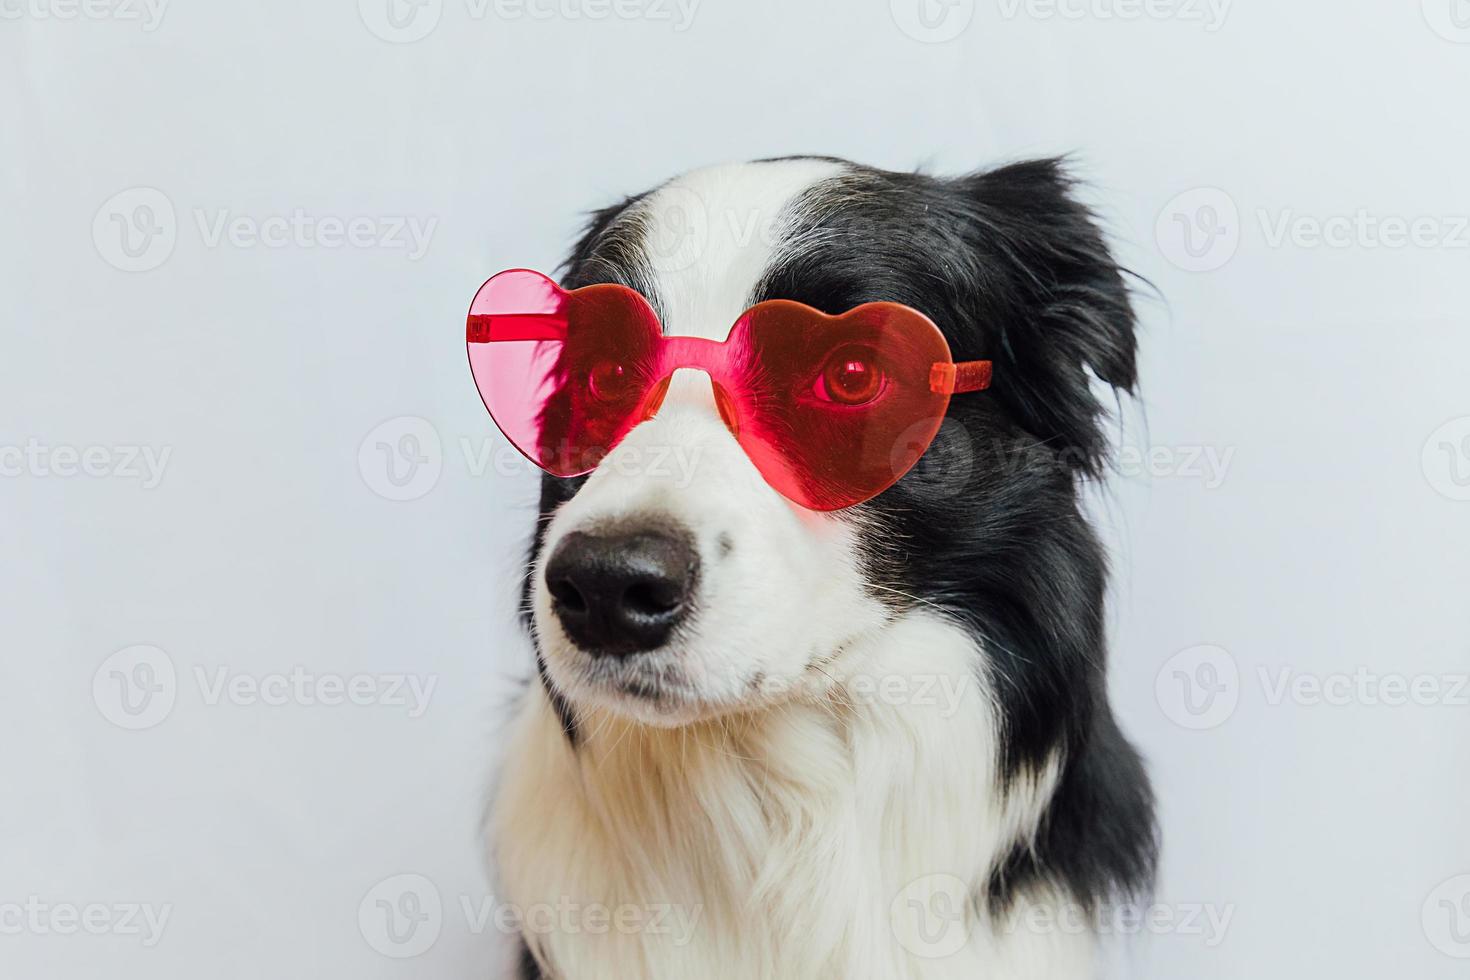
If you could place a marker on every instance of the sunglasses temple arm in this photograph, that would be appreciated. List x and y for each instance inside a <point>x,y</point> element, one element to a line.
<point>483,328</point>
<point>960,377</point>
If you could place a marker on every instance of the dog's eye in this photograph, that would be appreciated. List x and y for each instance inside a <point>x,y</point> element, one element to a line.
<point>611,381</point>
<point>851,376</point>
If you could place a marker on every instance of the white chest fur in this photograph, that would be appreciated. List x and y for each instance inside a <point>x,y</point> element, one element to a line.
<point>835,835</point>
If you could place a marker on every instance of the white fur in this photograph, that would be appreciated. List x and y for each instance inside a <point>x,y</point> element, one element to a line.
<point>814,769</point>
<point>787,834</point>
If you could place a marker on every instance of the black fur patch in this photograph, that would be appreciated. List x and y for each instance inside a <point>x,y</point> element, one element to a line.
<point>1013,269</point>
<point>526,965</point>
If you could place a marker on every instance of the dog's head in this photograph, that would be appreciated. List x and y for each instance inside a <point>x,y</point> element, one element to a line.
<point>673,583</point>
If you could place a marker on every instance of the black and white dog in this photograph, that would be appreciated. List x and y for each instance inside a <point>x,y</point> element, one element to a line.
<point>878,743</point>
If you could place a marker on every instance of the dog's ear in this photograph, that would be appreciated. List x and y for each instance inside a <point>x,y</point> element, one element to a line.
<point>1054,306</point>
<point>606,231</point>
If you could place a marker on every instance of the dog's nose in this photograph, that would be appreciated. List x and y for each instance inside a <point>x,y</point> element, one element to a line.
<point>622,592</point>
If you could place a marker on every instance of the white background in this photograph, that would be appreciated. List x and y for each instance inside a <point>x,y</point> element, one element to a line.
<point>1337,536</point>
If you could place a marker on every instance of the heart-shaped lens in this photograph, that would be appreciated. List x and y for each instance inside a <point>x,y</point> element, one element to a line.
<point>563,374</point>
<point>835,409</point>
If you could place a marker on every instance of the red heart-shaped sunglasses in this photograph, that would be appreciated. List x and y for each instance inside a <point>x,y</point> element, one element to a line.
<point>832,410</point>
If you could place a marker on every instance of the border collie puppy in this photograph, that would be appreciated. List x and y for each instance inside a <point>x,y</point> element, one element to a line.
<point>868,743</point>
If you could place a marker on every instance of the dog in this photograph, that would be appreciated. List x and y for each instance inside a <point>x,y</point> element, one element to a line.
<point>873,742</point>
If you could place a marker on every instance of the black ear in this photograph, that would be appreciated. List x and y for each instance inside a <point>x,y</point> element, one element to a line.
<point>1053,303</point>
<point>607,235</point>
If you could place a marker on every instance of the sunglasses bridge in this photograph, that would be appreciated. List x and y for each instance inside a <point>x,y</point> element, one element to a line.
<point>708,357</point>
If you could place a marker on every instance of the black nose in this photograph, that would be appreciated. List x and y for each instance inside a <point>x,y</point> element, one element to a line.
<point>621,592</point>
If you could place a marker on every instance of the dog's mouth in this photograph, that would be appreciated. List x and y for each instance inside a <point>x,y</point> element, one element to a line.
<point>655,686</point>
<point>673,686</point>
<point>648,677</point>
